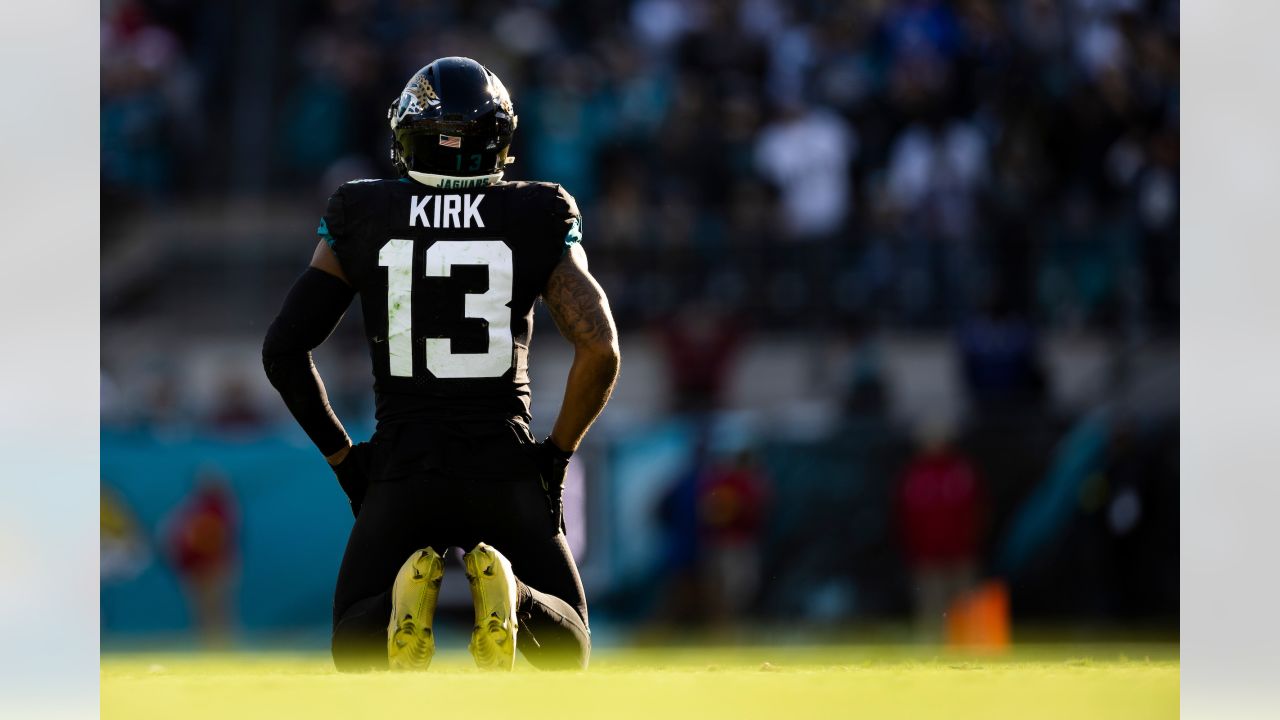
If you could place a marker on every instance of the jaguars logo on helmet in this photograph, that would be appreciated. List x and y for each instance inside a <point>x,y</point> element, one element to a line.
<point>416,95</point>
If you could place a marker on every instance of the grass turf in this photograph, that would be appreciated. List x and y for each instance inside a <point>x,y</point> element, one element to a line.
<point>661,684</point>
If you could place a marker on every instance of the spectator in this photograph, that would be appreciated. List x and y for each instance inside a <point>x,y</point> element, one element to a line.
<point>940,511</point>
<point>236,412</point>
<point>701,345</point>
<point>732,504</point>
<point>1000,357</point>
<point>202,544</point>
<point>806,153</point>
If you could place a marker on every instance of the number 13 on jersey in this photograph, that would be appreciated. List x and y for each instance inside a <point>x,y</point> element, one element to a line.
<point>491,306</point>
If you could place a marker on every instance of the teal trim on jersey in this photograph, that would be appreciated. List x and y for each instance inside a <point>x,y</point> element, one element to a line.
<point>323,232</point>
<point>573,236</point>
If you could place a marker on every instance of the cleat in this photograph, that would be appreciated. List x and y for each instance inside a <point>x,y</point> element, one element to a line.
<point>411,642</point>
<point>493,592</point>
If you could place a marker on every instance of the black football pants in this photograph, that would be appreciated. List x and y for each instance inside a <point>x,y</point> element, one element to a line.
<point>457,485</point>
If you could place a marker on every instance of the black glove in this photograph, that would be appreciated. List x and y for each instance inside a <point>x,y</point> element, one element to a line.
<point>353,474</point>
<point>552,463</point>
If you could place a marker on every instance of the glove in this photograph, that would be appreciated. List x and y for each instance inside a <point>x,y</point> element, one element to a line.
<point>552,464</point>
<point>353,474</point>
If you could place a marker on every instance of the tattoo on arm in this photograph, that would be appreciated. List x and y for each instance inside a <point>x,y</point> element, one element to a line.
<point>581,311</point>
<point>578,304</point>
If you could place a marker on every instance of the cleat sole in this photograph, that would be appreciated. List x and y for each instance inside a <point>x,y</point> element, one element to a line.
<point>411,642</point>
<point>493,593</point>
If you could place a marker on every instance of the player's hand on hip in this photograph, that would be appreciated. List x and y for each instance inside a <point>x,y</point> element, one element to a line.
<point>552,464</point>
<point>352,470</point>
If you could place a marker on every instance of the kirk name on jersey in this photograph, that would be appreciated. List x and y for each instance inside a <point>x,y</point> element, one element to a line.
<point>447,211</point>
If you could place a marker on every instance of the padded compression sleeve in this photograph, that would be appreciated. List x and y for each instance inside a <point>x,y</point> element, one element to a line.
<point>313,308</point>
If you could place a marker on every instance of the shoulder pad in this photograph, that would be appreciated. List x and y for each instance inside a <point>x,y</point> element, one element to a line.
<point>549,197</point>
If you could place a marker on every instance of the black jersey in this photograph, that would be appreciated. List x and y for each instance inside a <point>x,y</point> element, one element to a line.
<point>447,280</point>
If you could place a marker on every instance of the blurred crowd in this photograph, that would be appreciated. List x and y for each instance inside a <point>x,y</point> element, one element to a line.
<point>910,162</point>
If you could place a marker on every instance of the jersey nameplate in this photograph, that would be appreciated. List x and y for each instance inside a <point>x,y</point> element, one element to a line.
<point>448,211</point>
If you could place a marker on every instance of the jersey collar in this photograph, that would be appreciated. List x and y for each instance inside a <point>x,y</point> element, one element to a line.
<point>449,181</point>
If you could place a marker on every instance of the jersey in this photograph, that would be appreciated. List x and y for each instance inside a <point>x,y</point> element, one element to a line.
<point>447,279</point>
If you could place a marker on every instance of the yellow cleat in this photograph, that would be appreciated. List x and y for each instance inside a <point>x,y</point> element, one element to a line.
<point>410,641</point>
<point>493,592</point>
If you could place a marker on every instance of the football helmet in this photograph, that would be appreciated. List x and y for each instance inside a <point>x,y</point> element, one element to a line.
<point>452,125</point>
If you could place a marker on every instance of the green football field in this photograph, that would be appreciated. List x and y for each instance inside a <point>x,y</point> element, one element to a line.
<point>1096,681</point>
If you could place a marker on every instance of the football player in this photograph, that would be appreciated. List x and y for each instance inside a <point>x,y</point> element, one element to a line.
<point>448,259</point>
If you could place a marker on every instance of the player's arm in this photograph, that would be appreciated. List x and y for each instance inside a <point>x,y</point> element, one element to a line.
<point>311,311</point>
<point>581,312</point>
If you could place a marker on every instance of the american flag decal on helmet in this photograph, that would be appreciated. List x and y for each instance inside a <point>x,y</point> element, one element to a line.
<point>451,141</point>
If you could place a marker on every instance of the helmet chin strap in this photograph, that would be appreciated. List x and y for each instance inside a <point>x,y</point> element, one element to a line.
<point>451,181</point>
